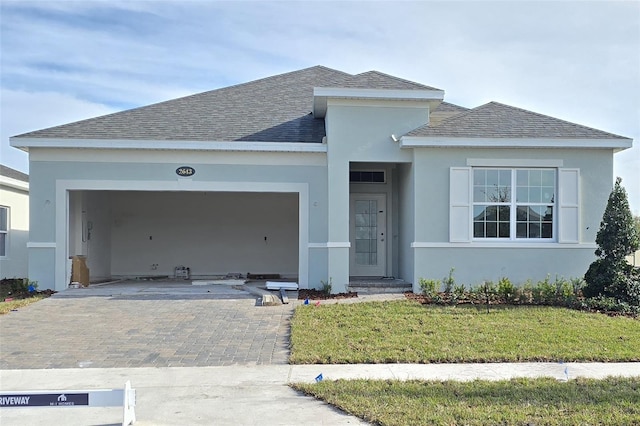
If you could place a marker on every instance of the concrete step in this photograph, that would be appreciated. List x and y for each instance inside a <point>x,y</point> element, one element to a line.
<point>379,286</point>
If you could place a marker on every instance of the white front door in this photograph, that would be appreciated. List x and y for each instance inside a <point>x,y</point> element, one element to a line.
<point>368,234</point>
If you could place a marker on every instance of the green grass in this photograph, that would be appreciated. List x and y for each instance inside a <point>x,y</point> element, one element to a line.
<point>6,307</point>
<point>545,401</point>
<point>405,331</point>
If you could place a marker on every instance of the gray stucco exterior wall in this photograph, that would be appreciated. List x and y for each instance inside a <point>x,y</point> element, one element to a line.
<point>476,261</point>
<point>52,181</point>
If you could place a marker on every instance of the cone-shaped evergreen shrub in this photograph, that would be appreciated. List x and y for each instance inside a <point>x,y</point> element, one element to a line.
<point>611,275</point>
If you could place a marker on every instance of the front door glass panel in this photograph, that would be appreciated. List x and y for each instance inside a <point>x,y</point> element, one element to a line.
<point>366,232</point>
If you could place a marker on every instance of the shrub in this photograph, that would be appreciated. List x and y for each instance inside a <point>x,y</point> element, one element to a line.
<point>14,287</point>
<point>506,290</point>
<point>459,291</point>
<point>429,287</point>
<point>559,292</point>
<point>449,282</point>
<point>608,305</point>
<point>327,286</point>
<point>577,284</point>
<point>610,275</point>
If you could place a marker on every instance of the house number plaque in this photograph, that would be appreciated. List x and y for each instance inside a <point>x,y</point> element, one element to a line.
<point>185,171</point>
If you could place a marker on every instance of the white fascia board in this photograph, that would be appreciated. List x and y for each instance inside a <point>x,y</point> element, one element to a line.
<point>169,145</point>
<point>342,92</point>
<point>466,142</point>
<point>321,94</point>
<point>14,183</point>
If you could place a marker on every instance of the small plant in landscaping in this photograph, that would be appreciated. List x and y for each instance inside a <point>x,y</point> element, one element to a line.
<point>488,289</point>
<point>609,305</point>
<point>506,290</point>
<point>577,284</point>
<point>429,287</point>
<point>449,282</point>
<point>19,288</point>
<point>564,290</point>
<point>525,293</point>
<point>459,291</point>
<point>327,286</point>
<point>544,292</point>
<point>556,292</point>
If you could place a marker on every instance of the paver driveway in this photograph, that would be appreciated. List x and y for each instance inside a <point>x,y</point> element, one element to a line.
<point>148,324</point>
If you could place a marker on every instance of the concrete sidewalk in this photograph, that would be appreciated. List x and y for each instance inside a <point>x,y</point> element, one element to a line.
<point>249,395</point>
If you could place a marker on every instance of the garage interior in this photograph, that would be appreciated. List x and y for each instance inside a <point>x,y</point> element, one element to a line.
<point>134,234</point>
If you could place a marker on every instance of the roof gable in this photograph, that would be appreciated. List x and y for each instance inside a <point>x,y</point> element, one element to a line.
<point>496,120</point>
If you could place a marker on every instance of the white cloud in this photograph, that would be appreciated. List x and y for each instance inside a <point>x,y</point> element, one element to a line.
<point>578,61</point>
<point>27,111</point>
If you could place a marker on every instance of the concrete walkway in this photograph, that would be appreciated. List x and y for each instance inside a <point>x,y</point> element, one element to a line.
<point>249,395</point>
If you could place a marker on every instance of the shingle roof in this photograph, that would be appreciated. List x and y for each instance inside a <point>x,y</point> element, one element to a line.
<point>272,109</point>
<point>278,109</point>
<point>378,80</point>
<point>13,174</point>
<point>450,108</point>
<point>444,111</point>
<point>496,120</point>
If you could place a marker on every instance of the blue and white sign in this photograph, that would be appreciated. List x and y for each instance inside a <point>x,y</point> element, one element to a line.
<point>125,398</point>
<point>44,400</point>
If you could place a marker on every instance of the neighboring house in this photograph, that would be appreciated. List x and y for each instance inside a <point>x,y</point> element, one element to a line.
<point>14,223</point>
<point>318,174</point>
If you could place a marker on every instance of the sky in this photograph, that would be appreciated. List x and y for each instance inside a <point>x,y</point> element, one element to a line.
<point>63,61</point>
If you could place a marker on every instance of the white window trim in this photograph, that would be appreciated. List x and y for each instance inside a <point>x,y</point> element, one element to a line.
<point>515,163</point>
<point>6,233</point>
<point>567,209</point>
<point>513,205</point>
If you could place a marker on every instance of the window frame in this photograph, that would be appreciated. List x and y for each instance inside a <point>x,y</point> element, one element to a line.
<point>5,245</point>
<point>513,205</point>
<point>366,182</point>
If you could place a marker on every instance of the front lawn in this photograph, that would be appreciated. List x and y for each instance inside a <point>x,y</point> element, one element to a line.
<point>407,332</point>
<point>12,305</point>
<point>545,401</point>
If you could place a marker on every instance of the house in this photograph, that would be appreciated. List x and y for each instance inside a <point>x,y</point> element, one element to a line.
<point>14,223</point>
<point>318,174</point>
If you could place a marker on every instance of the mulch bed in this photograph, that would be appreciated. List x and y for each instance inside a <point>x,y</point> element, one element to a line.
<point>13,289</point>
<point>421,298</point>
<point>313,294</point>
<point>445,299</point>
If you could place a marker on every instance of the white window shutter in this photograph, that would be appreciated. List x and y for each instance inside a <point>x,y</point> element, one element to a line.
<point>568,206</point>
<point>460,204</point>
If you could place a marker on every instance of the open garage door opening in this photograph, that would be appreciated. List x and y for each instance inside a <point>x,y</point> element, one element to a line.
<point>127,234</point>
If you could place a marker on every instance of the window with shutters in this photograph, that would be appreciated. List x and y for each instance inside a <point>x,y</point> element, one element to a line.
<point>517,204</point>
<point>513,204</point>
